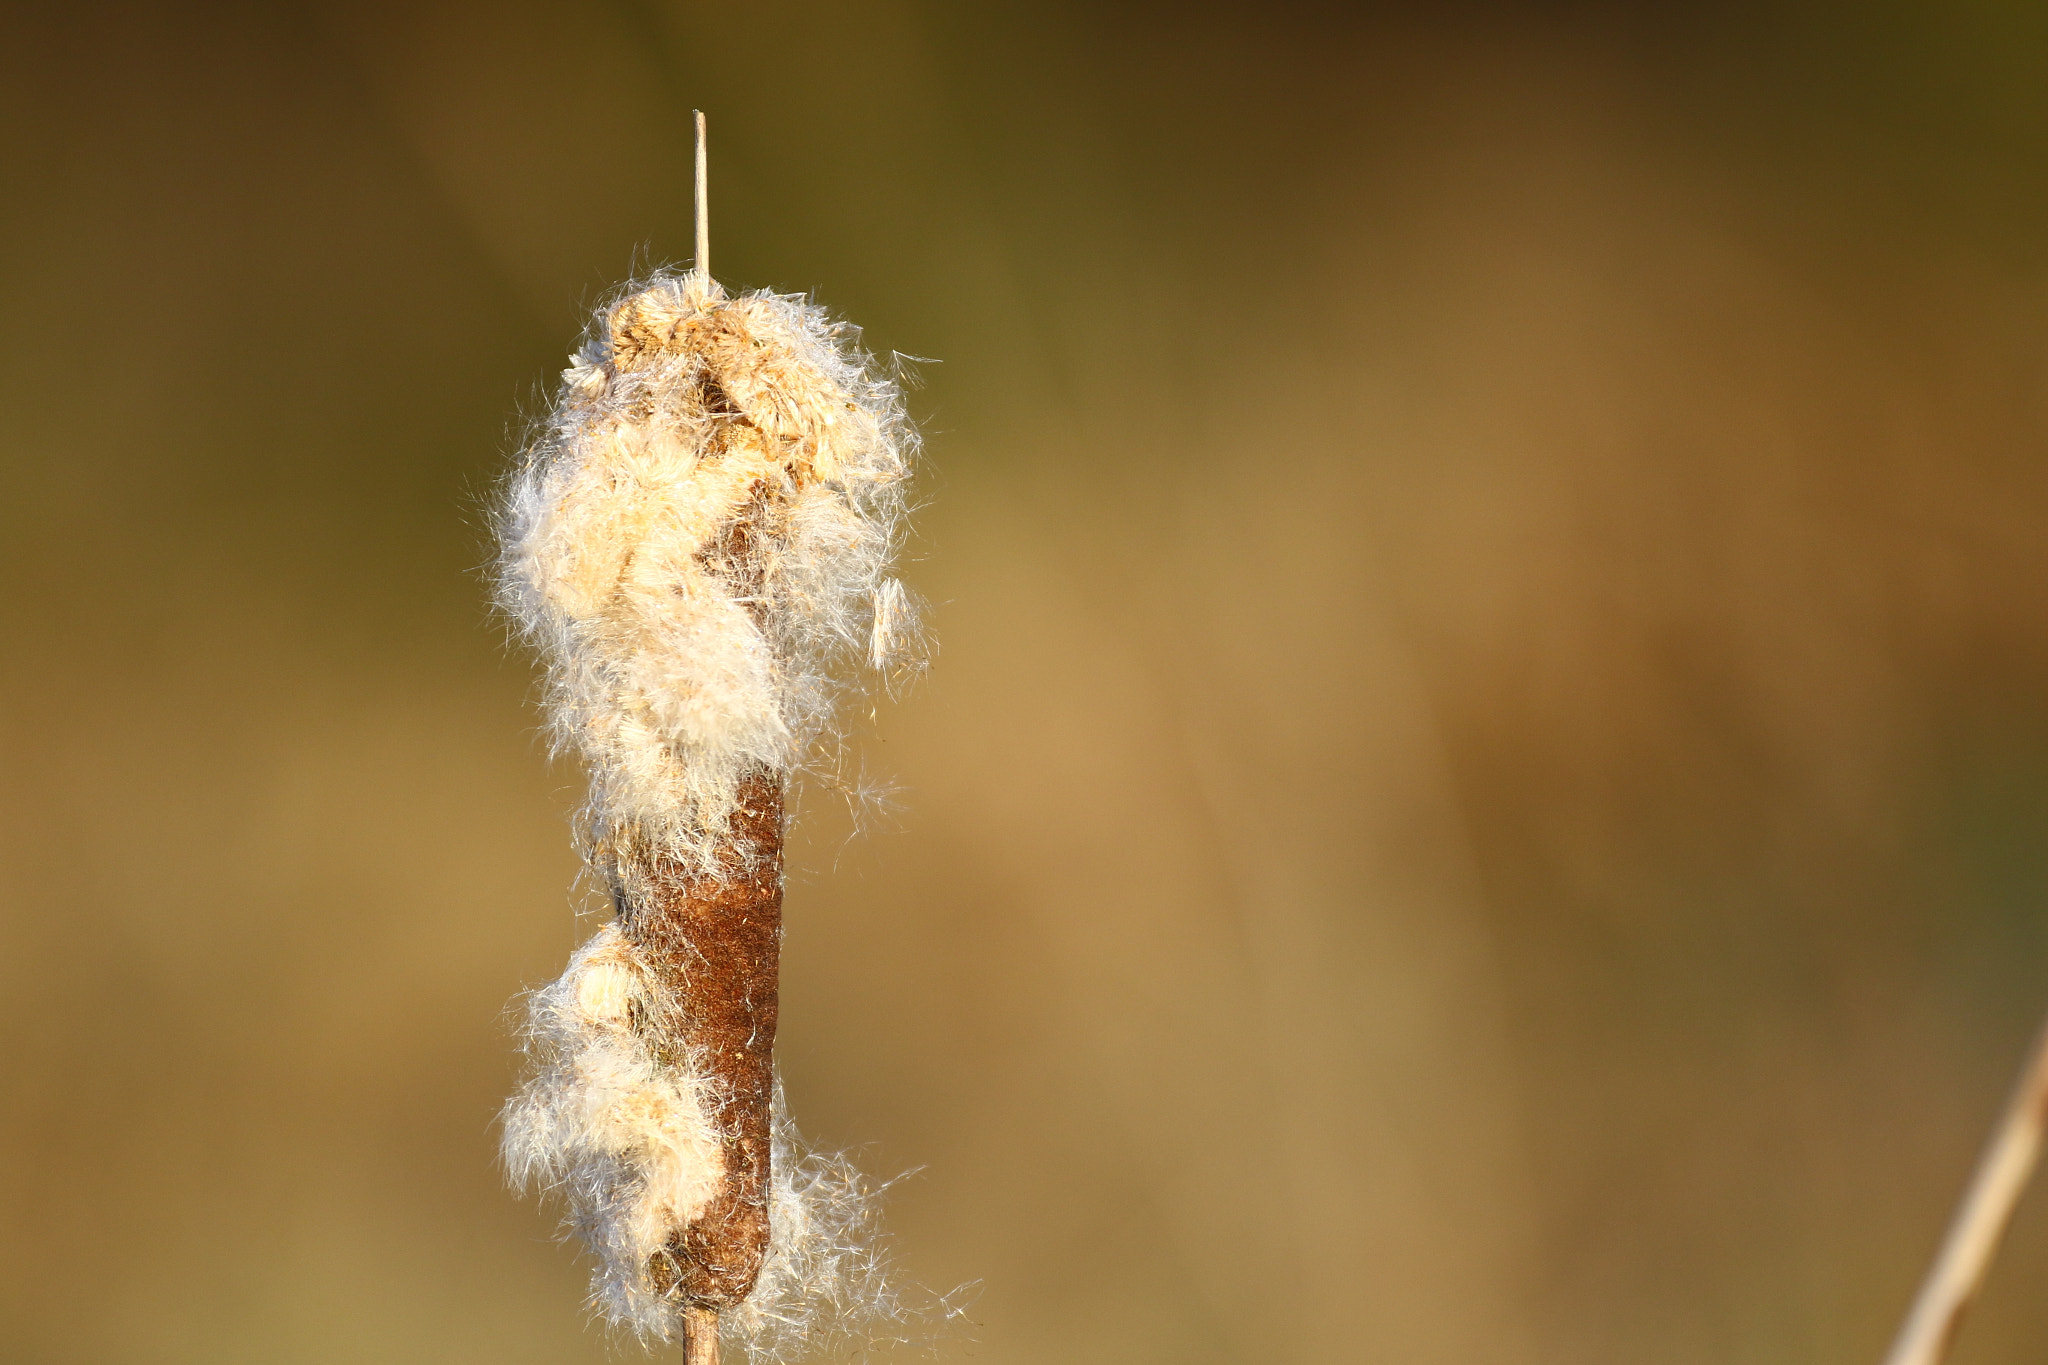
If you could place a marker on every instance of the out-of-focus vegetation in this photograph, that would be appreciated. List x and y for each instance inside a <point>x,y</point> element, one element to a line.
<point>1483,798</point>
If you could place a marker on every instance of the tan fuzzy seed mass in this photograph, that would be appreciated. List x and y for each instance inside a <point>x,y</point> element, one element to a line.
<point>699,546</point>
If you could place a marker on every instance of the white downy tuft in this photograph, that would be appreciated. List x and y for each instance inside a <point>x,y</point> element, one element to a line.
<point>670,680</point>
<point>627,1140</point>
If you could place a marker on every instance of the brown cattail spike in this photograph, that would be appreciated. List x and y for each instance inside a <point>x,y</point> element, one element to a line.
<point>713,940</point>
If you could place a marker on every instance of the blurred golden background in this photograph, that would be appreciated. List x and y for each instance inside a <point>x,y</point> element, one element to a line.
<point>1482,800</point>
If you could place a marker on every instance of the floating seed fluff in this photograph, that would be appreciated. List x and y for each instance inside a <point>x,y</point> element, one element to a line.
<point>698,545</point>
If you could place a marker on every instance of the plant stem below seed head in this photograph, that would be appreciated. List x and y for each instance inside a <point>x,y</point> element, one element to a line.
<point>700,1336</point>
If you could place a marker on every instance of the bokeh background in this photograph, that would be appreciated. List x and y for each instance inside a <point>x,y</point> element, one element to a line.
<point>1483,795</point>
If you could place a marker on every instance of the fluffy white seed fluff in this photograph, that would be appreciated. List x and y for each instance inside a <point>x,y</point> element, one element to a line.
<point>629,1143</point>
<point>670,678</point>
<point>700,587</point>
<point>628,1140</point>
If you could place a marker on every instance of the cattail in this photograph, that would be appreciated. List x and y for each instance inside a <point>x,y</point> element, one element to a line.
<point>698,545</point>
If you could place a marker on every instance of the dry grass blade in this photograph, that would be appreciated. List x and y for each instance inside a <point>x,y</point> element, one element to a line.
<point>1980,1221</point>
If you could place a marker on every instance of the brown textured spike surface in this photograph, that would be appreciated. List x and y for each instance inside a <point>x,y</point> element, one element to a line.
<point>714,942</point>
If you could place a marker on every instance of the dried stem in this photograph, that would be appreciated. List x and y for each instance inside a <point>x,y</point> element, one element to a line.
<point>1980,1220</point>
<point>700,1336</point>
<point>703,201</point>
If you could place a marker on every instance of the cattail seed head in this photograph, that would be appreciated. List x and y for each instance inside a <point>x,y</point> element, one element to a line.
<point>697,544</point>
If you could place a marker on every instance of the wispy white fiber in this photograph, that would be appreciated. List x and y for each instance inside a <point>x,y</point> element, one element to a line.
<point>828,1278</point>
<point>627,1140</point>
<point>670,674</point>
<point>697,544</point>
